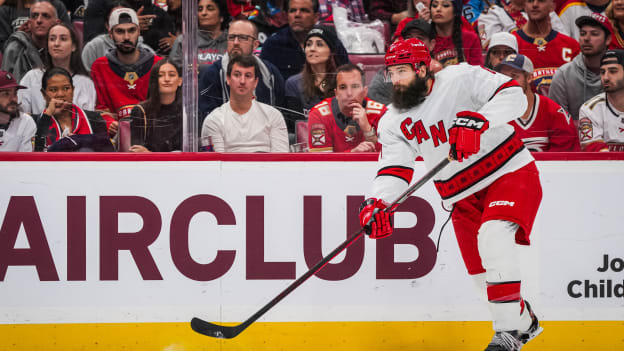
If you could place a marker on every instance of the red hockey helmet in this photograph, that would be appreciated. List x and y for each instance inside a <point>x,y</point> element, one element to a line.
<point>411,51</point>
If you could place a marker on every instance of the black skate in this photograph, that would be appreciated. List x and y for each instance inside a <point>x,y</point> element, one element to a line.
<point>513,340</point>
<point>505,341</point>
<point>534,330</point>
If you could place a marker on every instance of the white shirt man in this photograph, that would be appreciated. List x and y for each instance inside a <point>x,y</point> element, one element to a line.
<point>243,124</point>
<point>601,118</point>
<point>16,129</point>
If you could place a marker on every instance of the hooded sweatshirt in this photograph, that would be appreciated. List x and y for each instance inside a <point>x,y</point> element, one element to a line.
<point>573,84</point>
<point>209,50</point>
<point>20,55</point>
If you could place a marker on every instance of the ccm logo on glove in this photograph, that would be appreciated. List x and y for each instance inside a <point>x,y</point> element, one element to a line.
<point>465,134</point>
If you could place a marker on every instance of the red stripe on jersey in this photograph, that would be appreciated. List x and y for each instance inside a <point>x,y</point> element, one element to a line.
<point>504,292</point>
<point>481,169</point>
<point>509,84</point>
<point>404,173</point>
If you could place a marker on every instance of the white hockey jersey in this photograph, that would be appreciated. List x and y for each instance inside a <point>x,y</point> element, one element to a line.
<point>601,126</point>
<point>423,131</point>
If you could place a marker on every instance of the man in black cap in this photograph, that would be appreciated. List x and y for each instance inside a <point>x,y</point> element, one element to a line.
<point>577,81</point>
<point>601,120</point>
<point>380,90</point>
<point>17,129</point>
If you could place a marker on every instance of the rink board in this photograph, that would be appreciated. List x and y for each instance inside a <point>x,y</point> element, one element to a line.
<point>119,253</point>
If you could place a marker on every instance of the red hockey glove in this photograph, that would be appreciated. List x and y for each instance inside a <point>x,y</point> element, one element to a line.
<point>376,222</point>
<point>465,134</point>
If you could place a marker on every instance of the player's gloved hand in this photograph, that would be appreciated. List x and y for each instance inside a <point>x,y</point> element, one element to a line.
<point>376,222</point>
<point>465,134</point>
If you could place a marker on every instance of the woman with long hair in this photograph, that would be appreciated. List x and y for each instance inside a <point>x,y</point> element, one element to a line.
<point>63,50</point>
<point>62,118</point>
<point>156,123</point>
<point>615,14</point>
<point>213,18</point>
<point>453,43</point>
<point>317,80</point>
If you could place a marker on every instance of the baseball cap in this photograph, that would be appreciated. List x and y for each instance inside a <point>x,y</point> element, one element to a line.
<point>7,81</point>
<point>596,20</point>
<point>419,24</point>
<point>517,61</point>
<point>122,15</point>
<point>504,39</point>
<point>613,56</point>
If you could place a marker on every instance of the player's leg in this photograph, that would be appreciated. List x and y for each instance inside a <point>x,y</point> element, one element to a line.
<point>466,222</point>
<point>510,207</point>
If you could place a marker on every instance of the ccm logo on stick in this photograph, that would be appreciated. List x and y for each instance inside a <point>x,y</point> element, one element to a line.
<point>502,203</point>
<point>469,122</point>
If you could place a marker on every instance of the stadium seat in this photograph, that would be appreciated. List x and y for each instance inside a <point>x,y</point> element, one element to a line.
<point>369,63</point>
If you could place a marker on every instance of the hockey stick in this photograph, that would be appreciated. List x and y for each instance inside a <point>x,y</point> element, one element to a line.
<point>228,332</point>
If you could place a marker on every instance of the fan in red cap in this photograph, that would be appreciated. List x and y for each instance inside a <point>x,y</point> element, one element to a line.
<point>16,128</point>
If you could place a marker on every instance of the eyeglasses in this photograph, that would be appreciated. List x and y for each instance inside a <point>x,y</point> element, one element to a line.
<point>240,37</point>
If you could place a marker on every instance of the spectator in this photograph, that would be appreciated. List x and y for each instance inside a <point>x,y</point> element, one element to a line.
<point>121,77</point>
<point>615,13</point>
<point>211,34</point>
<point>100,45</point>
<point>547,48</point>
<point>240,9</point>
<point>174,9</point>
<point>14,18</point>
<point>505,17</point>
<point>284,49</point>
<point>391,11</point>
<point>317,80</point>
<point>501,45</point>
<point>574,9</point>
<point>154,22</point>
<point>174,14</point>
<point>63,51</point>
<point>347,122</point>
<point>156,123</point>
<point>579,80</point>
<point>24,51</point>
<point>17,129</point>
<point>600,124</point>
<point>423,13</point>
<point>62,118</point>
<point>355,10</point>
<point>213,88</point>
<point>545,126</point>
<point>453,44</point>
<point>380,89</point>
<point>244,124</point>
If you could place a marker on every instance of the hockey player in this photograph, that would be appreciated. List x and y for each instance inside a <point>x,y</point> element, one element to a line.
<point>601,126</point>
<point>347,121</point>
<point>463,112</point>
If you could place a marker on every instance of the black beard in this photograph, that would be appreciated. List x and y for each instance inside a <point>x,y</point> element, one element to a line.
<point>413,95</point>
<point>124,50</point>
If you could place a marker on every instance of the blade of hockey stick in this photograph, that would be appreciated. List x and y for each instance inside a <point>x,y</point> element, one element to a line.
<point>229,332</point>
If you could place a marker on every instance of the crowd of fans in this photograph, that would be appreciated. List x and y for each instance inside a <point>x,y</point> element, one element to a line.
<point>275,75</point>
